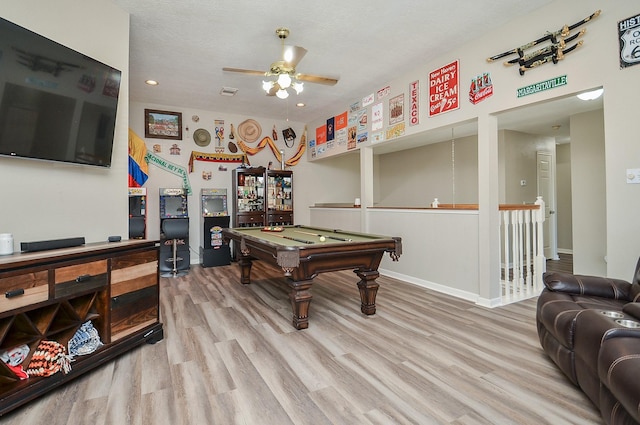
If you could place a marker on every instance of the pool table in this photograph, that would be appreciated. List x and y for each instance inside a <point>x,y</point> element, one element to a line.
<point>302,252</point>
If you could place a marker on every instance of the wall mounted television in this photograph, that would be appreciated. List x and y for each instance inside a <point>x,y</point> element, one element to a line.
<point>56,104</point>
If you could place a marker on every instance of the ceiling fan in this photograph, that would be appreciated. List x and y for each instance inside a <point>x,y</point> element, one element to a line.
<point>285,71</point>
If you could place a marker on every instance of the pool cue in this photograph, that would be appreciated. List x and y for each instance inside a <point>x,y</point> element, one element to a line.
<point>326,236</point>
<point>293,239</point>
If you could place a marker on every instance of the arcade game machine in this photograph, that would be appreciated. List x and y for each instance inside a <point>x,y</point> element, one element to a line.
<point>137,213</point>
<point>215,217</point>
<point>174,233</point>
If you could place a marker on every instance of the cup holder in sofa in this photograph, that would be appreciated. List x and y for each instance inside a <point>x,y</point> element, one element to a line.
<point>612,314</point>
<point>628,323</point>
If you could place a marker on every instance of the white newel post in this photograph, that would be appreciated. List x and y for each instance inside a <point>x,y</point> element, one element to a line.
<point>540,265</point>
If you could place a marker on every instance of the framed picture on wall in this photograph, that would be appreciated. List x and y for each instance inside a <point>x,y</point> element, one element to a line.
<point>162,124</point>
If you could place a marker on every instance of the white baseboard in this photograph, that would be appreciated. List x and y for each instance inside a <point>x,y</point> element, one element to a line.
<point>465,295</point>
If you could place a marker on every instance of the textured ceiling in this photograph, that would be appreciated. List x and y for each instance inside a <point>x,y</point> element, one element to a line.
<point>364,43</point>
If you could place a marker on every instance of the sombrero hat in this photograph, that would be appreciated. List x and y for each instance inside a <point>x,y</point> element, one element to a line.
<point>202,137</point>
<point>249,130</point>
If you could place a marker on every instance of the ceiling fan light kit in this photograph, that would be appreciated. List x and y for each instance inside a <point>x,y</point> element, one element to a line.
<point>282,94</point>
<point>284,81</point>
<point>281,85</point>
<point>284,71</point>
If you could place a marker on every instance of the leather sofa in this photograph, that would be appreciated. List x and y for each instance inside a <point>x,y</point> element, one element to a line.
<point>590,327</point>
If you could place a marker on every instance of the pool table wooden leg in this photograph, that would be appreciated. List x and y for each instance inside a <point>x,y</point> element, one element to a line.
<point>368,290</point>
<point>245,269</point>
<point>300,297</point>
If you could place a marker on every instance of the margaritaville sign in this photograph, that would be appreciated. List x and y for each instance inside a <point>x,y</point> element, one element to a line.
<point>542,86</point>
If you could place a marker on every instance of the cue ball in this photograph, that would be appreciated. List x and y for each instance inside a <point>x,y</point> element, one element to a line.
<point>322,239</point>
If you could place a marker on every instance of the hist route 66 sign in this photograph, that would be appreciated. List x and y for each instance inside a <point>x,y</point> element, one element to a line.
<point>629,33</point>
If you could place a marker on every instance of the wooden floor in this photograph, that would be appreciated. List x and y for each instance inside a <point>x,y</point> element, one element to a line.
<point>230,356</point>
<point>564,264</point>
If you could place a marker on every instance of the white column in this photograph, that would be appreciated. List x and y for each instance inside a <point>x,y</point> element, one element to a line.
<point>366,185</point>
<point>488,214</point>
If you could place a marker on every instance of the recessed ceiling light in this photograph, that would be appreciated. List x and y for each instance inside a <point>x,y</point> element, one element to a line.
<point>151,82</point>
<point>300,105</point>
<point>591,95</point>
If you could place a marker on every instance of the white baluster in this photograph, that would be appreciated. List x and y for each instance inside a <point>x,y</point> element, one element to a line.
<point>507,247</point>
<point>527,247</point>
<point>514,245</point>
<point>540,265</point>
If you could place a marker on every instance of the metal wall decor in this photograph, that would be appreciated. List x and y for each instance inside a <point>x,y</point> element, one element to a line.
<point>559,46</point>
<point>629,34</point>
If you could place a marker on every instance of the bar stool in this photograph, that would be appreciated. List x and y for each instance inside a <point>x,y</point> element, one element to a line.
<point>176,229</point>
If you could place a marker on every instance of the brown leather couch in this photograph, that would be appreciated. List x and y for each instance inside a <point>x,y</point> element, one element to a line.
<point>590,327</point>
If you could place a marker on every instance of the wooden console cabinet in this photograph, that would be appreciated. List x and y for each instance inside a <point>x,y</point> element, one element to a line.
<point>48,295</point>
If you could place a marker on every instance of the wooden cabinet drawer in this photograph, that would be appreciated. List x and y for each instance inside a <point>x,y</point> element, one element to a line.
<point>280,217</point>
<point>23,289</point>
<point>251,219</point>
<point>72,280</point>
<point>134,259</point>
<point>133,278</point>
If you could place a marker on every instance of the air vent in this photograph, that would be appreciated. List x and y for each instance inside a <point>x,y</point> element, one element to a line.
<point>228,91</point>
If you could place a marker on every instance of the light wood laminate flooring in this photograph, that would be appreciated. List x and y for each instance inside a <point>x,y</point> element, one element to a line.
<point>563,264</point>
<point>231,356</point>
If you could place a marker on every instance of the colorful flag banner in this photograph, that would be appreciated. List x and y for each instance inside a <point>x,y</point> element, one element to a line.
<point>138,167</point>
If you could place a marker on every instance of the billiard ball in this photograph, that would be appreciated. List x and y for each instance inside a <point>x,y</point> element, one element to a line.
<point>322,239</point>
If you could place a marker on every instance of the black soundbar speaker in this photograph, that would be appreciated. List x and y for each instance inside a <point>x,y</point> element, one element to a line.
<point>50,244</point>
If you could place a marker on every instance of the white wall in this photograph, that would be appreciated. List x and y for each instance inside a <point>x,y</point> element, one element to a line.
<point>439,248</point>
<point>589,194</point>
<point>342,174</point>
<point>414,177</point>
<point>45,200</point>
<point>336,218</point>
<point>56,201</point>
<point>333,180</point>
<point>595,64</point>
<point>564,205</point>
<point>518,158</point>
<point>220,179</point>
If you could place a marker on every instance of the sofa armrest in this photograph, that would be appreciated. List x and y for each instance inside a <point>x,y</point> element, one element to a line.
<point>605,287</point>
<point>618,364</point>
<point>632,309</point>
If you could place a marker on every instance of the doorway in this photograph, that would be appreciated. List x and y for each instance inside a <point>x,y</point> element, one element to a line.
<point>570,121</point>
<point>546,177</point>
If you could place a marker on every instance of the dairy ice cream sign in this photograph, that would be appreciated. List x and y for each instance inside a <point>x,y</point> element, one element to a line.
<point>444,89</point>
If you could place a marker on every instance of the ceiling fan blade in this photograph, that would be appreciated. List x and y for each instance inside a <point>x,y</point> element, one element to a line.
<point>244,71</point>
<point>292,55</point>
<point>274,89</point>
<point>317,79</point>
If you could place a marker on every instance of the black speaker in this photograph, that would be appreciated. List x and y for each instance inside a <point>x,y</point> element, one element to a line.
<point>50,244</point>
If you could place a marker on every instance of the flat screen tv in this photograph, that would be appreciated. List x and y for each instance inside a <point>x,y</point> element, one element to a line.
<point>56,104</point>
